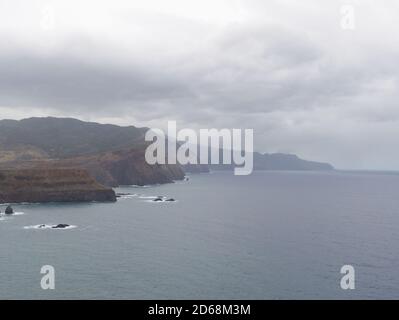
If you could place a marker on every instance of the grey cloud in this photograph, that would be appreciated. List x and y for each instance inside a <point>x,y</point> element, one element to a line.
<point>62,82</point>
<point>303,91</point>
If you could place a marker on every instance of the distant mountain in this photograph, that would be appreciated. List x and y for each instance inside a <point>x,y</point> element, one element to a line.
<point>273,161</point>
<point>65,137</point>
<point>281,161</point>
<point>114,155</point>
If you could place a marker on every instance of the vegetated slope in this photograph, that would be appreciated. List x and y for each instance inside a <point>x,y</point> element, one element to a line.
<point>51,185</point>
<point>114,155</point>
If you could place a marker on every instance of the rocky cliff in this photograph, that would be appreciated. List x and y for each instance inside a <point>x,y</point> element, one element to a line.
<point>123,167</point>
<point>112,169</point>
<point>51,185</point>
<point>112,154</point>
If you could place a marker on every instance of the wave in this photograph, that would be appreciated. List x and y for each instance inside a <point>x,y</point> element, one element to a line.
<point>163,201</point>
<point>138,186</point>
<point>126,196</point>
<point>49,226</point>
<point>2,214</point>
<point>148,197</point>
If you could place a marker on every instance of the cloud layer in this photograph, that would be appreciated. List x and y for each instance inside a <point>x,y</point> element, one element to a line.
<point>286,69</point>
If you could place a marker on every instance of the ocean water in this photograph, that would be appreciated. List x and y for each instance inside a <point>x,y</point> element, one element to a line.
<point>270,235</point>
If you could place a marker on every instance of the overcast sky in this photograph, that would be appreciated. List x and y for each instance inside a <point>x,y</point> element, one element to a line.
<point>287,69</point>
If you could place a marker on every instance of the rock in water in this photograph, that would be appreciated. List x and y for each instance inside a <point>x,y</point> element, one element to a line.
<point>60,226</point>
<point>119,195</point>
<point>9,210</point>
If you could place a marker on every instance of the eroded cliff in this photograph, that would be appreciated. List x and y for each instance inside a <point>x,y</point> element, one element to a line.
<point>51,185</point>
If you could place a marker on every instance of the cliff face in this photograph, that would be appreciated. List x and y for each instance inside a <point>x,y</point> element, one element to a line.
<point>123,167</point>
<point>113,155</point>
<point>196,168</point>
<point>129,168</point>
<point>51,185</point>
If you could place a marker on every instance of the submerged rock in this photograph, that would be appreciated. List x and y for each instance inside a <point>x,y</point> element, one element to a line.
<point>60,226</point>
<point>163,199</point>
<point>120,194</point>
<point>9,210</point>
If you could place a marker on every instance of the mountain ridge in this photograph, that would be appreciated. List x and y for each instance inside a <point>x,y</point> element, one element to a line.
<point>112,154</point>
<point>104,150</point>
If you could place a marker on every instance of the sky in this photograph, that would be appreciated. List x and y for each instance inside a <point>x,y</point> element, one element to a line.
<point>315,78</point>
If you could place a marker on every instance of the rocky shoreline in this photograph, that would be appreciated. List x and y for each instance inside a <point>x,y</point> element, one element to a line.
<point>51,185</point>
<point>68,160</point>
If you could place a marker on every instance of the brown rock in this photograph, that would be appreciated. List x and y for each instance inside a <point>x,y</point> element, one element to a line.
<point>51,185</point>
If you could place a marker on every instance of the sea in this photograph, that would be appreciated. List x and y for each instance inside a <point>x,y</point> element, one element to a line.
<point>269,235</point>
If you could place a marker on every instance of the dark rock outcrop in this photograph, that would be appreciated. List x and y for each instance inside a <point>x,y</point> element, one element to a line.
<point>51,185</point>
<point>9,210</point>
<point>60,226</point>
<point>121,194</point>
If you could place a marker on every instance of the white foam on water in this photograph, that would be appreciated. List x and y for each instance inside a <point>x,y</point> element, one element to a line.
<point>126,196</point>
<point>49,226</point>
<point>163,201</point>
<point>137,186</point>
<point>2,214</point>
<point>38,226</point>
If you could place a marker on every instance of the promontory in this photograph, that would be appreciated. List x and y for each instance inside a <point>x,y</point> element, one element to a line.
<point>51,185</point>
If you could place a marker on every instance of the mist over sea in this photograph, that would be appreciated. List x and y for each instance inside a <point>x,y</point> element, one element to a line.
<point>270,235</point>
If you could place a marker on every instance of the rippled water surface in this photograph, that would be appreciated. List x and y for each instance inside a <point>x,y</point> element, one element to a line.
<point>270,235</point>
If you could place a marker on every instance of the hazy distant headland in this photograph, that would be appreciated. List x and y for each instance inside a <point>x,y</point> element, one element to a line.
<point>112,155</point>
<point>268,161</point>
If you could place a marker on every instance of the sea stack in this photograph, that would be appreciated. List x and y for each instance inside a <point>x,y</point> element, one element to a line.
<point>9,210</point>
